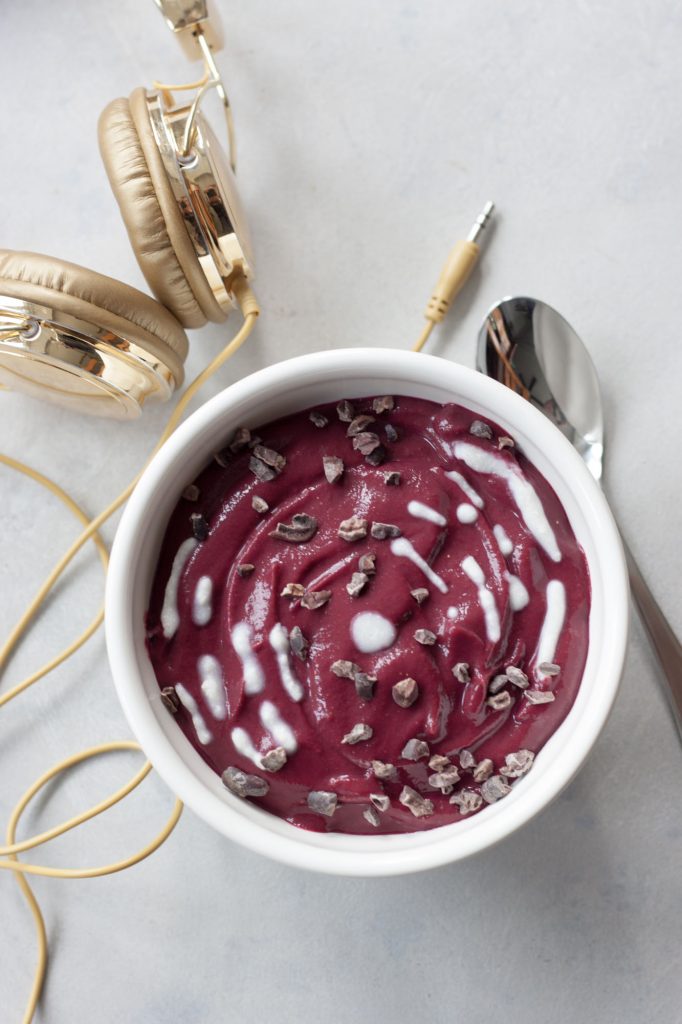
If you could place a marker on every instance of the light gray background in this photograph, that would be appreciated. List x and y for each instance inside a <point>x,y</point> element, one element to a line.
<point>370,135</point>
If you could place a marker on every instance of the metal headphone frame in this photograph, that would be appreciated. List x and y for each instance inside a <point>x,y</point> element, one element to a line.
<point>106,372</point>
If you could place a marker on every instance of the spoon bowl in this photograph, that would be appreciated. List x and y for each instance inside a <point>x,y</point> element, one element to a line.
<point>526,345</point>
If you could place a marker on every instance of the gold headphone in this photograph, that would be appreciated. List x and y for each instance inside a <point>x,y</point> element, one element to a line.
<point>92,343</point>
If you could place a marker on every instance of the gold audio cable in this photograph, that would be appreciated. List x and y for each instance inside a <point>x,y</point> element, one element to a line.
<point>10,851</point>
<point>456,270</point>
<point>454,274</point>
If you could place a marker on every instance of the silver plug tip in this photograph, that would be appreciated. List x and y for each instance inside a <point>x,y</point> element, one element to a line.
<point>481,221</point>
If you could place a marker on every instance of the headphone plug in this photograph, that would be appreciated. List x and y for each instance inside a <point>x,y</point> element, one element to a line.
<point>458,266</point>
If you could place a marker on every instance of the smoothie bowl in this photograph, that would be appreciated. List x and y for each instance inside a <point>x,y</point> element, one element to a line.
<point>367,612</point>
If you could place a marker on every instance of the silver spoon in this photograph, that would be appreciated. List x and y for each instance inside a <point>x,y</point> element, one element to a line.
<point>527,345</point>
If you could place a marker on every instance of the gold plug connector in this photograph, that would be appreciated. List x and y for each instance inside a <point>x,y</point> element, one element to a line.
<point>458,266</point>
<point>455,272</point>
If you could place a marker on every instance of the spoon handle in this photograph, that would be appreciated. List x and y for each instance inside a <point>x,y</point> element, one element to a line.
<point>662,639</point>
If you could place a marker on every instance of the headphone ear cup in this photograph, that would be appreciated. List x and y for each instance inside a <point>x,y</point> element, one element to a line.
<point>95,298</point>
<point>115,316</point>
<point>155,226</point>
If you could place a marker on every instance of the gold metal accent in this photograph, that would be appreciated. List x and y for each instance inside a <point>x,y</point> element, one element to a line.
<point>198,31</point>
<point>202,183</point>
<point>217,82</point>
<point>180,15</point>
<point>205,190</point>
<point>189,133</point>
<point>76,364</point>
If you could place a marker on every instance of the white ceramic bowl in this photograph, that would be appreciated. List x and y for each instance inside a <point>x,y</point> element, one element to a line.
<point>285,388</point>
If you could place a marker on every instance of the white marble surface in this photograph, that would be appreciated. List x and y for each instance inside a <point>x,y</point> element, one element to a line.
<point>370,135</point>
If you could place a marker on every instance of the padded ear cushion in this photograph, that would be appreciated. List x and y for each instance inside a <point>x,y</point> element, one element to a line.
<point>155,226</point>
<point>100,300</point>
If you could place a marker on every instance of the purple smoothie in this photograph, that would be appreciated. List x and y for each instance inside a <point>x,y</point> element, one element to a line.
<point>371,617</point>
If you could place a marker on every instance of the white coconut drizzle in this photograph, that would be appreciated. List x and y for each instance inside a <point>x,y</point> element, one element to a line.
<point>552,625</point>
<point>421,511</point>
<point>258,604</point>
<point>243,744</point>
<point>404,549</point>
<point>189,704</point>
<point>522,491</point>
<point>254,678</point>
<point>170,616</point>
<point>281,731</point>
<point>466,513</point>
<point>202,604</point>
<point>212,686</point>
<point>464,485</point>
<point>503,541</point>
<point>279,641</point>
<point>485,598</point>
<point>518,594</point>
<point>372,632</point>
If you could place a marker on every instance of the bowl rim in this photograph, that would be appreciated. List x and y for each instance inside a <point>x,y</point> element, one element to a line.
<point>259,830</point>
